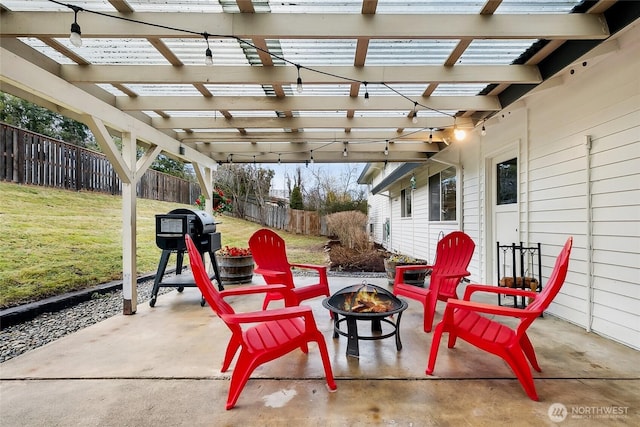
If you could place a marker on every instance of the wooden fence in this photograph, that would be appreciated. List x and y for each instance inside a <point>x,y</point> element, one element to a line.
<point>31,158</point>
<point>280,216</point>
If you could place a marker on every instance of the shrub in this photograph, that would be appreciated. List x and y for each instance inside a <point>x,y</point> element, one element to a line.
<point>350,228</point>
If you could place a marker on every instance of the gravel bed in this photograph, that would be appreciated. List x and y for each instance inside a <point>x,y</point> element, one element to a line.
<point>47,327</point>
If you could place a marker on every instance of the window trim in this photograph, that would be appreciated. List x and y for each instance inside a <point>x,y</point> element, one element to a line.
<point>406,203</point>
<point>440,199</point>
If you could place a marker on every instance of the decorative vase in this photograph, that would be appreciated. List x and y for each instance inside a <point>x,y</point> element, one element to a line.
<point>235,270</point>
<point>413,277</point>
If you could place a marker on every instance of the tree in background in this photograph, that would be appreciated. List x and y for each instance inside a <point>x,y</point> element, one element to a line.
<point>26,115</point>
<point>329,193</point>
<point>295,199</point>
<point>244,182</point>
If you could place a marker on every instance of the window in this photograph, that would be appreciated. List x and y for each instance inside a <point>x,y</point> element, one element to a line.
<point>507,174</point>
<point>442,195</point>
<point>405,203</point>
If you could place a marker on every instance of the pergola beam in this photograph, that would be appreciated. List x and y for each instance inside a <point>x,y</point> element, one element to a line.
<point>313,26</point>
<point>303,103</point>
<point>194,74</point>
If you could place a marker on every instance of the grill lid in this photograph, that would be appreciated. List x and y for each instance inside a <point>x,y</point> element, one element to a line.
<point>204,223</point>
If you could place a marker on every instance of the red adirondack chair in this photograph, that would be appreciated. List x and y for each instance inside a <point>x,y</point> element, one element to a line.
<point>270,335</point>
<point>462,319</point>
<point>270,255</point>
<point>453,255</point>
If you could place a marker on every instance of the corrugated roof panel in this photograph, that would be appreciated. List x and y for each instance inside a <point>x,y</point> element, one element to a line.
<point>163,90</point>
<point>494,52</point>
<point>308,52</point>
<point>315,6</point>
<point>409,52</point>
<point>319,89</point>
<point>192,51</point>
<point>235,90</point>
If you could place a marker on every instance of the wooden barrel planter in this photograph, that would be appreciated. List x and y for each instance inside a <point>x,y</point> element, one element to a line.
<point>414,277</point>
<point>235,270</point>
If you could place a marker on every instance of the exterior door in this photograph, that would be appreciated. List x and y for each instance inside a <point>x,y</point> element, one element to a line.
<point>505,218</point>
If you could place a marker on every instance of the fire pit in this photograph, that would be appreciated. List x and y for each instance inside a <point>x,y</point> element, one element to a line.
<point>365,302</point>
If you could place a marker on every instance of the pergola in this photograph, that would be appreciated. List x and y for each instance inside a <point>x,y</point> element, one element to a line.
<point>290,82</point>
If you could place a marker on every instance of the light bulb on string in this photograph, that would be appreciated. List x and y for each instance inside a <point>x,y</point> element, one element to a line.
<point>430,135</point>
<point>386,148</point>
<point>208,56</point>
<point>457,132</point>
<point>483,132</point>
<point>75,36</point>
<point>366,92</point>
<point>279,160</point>
<point>311,160</point>
<point>414,119</point>
<point>299,80</point>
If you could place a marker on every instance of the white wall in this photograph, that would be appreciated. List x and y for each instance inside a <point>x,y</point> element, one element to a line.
<point>566,188</point>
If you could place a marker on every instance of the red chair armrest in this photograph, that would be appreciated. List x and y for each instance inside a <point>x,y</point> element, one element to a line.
<point>318,268</point>
<point>402,268</point>
<point>259,289</point>
<point>269,315</point>
<point>270,273</point>
<point>481,307</point>
<point>497,290</point>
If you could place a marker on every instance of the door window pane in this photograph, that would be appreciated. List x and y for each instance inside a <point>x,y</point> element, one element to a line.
<point>507,182</point>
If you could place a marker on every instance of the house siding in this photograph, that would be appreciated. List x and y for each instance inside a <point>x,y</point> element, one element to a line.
<point>577,139</point>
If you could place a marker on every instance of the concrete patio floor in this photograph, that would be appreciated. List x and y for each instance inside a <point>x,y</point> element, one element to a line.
<point>161,366</point>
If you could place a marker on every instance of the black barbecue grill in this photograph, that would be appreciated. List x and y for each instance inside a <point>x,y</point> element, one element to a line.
<point>170,231</point>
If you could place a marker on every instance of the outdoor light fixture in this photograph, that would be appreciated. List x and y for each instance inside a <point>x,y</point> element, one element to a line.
<point>386,148</point>
<point>279,160</point>
<point>459,133</point>
<point>181,150</point>
<point>484,131</point>
<point>430,135</point>
<point>75,37</point>
<point>415,113</point>
<point>299,81</point>
<point>208,56</point>
<point>311,160</point>
<point>366,92</point>
<point>344,152</point>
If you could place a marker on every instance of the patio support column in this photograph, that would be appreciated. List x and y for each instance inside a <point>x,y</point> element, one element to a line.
<point>129,221</point>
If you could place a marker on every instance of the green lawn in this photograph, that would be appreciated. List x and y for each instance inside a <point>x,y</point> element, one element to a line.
<point>56,241</point>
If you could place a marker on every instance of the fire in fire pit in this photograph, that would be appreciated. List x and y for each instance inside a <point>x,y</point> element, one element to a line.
<point>366,300</point>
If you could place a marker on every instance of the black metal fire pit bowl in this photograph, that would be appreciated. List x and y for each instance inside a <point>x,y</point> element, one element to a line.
<point>343,303</point>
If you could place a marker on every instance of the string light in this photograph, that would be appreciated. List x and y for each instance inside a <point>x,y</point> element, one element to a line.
<point>279,159</point>
<point>75,36</point>
<point>311,160</point>
<point>76,40</point>
<point>457,132</point>
<point>386,148</point>
<point>344,152</point>
<point>208,56</point>
<point>430,135</point>
<point>484,131</point>
<point>299,81</point>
